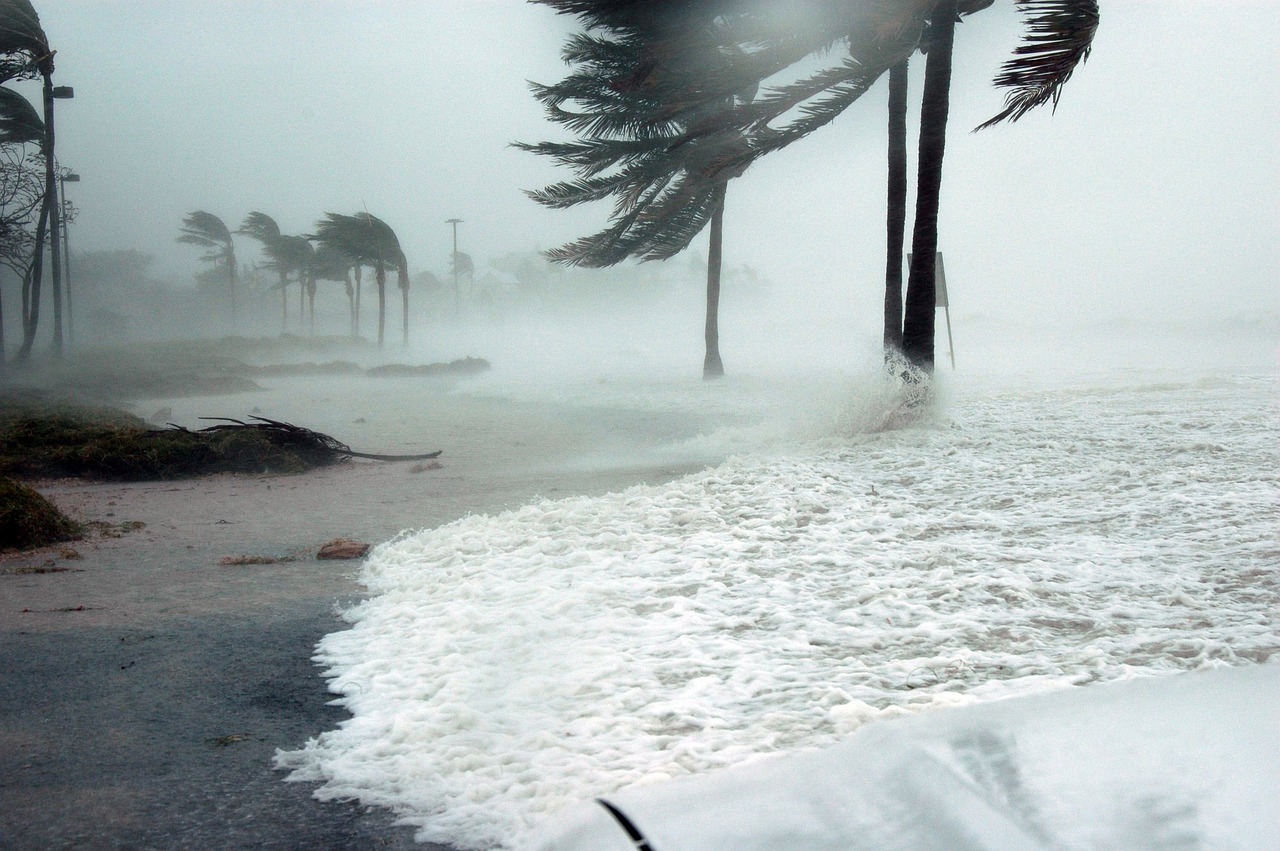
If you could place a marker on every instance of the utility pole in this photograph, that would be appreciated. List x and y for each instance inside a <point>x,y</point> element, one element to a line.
<point>67,176</point>
<point>52,92</point>
<point>457,302</point>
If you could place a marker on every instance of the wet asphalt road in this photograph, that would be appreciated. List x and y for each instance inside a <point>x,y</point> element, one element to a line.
<point>164,737</point>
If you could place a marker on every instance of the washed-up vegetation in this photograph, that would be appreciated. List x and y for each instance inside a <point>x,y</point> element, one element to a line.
<point>47,440</point>
<point>28,520</point>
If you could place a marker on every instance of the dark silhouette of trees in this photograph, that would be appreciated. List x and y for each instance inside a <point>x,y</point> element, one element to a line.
<point>22,199</point>
<point>208,231</point>
<point>369,241</point>
<point>25,54</point>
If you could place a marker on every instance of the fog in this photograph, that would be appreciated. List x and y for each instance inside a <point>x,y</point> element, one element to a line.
<point>1144,207</point>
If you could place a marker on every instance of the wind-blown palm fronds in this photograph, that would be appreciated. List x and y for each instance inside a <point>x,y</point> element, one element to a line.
<point>19,121</point>
<point>208,231</point>
<point>24,49</point>
<point>264,229</point>
<point>1059,36</point>
<point>371,242</point>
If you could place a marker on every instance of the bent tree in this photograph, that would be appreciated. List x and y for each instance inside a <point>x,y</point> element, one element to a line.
<point>208,231</point>
<point>369,241</point>
<point>695,133</point>
<point>632,68</point>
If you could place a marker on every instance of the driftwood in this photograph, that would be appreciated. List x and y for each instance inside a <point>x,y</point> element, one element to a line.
<point>287,433</point>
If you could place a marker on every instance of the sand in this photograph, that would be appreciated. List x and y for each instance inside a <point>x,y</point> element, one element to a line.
<point>146,686</point>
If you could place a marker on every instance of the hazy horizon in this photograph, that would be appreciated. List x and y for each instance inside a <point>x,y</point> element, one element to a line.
<point>1146,198</point>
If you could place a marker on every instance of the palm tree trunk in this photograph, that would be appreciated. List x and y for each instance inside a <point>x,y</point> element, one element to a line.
<point>284,302</point>
<point>918,325</point>
<point>355,329</point>
<point>380,274</point>
<point>403,280</point>
<point>712,366</point>
<point>311,305</point>
<point>351,302</point>
<point>896,218</point>
<point>231,284</point>
<point>31,288</point>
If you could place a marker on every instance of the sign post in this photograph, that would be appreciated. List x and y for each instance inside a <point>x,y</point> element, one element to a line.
<point>940,288</point>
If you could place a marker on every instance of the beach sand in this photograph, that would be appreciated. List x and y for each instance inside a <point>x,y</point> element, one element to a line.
<point>146,686</point>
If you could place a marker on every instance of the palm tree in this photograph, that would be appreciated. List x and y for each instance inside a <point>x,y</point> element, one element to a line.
<point>297,253</point>
<point>631,84</point>
<point>21,196</point>
<point>264,229</point>
<point>666,172</point>
<point>331,264</point>
<point>369,241</point>
<point>209,231</point>
<point>25,54</point>
<point>896,215</point>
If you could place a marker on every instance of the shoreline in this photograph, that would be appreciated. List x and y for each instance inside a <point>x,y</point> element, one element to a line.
<point>148,687</point>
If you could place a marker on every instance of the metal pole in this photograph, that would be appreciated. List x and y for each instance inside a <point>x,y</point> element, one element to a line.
<point>55,238</point>
<point>944,301</point>
<point>457,303</point>
<point>66,253</point>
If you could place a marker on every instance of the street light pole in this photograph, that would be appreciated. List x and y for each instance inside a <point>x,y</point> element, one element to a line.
<point>51,93</point>
<point>457,303</point>
<point>67,176</point>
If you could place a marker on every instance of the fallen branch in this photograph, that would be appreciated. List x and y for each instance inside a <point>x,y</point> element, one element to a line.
<point>287,433</point>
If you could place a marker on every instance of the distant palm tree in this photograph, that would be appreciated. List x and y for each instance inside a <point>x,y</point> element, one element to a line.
<point>331,264</point>
<point>264,229</point>
<point>370,242</point>
<point>209,231</point>
<point>299,255</point>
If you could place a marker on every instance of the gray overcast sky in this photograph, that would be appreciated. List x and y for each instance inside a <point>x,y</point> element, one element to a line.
<point>1152,188</point>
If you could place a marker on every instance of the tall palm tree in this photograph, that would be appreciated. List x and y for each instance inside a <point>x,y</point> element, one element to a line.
<point>25,54</point>
<point>209,231</point>
<point>666,173</point>
<point>23,205</point>
<point>264,229</point>
<point>297,253</point>
<point>370,242</point>
<point>896,210</point>
<point>630,80</point>
<point>921,301</point>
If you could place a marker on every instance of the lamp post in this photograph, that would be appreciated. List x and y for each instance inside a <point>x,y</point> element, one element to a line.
<point>52,93</point>
<point>457,303</point>
<point>65,177</point>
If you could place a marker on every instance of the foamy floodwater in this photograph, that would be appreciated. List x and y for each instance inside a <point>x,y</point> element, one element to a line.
<point>1021,540</point>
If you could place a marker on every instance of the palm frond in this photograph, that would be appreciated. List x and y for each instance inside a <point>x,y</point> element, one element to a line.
<point>261,227</point>
<point>24,48</point>
<point>1059,36</point>
<point>19,121</point>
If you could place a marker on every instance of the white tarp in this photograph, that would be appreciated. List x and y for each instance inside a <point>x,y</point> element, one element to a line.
<point>1186,761</point>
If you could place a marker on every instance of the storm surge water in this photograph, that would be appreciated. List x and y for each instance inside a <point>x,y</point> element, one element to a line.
<point>854,561</point>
